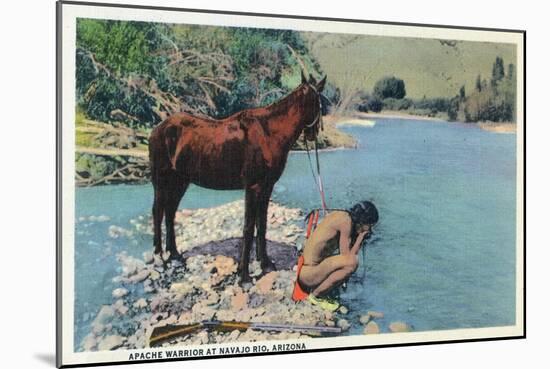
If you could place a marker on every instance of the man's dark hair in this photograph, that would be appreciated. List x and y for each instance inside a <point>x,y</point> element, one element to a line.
<point>363,212</point>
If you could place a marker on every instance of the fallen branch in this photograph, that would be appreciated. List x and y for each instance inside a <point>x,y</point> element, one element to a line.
<point>112,152</point>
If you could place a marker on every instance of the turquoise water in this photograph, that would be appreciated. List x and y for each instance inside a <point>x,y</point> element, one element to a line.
<point>443,253</point>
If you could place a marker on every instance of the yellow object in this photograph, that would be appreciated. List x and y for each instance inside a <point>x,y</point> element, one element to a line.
<point>325,304</point>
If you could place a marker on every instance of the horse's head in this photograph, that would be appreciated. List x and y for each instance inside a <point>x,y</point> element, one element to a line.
<point>314,88</point>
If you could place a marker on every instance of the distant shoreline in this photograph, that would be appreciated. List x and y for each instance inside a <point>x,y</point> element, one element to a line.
<point>392,114</point>
<point>495,127</point>
<point>501,127</point>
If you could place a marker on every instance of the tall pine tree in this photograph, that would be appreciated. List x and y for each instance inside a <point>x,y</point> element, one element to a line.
<point>462,93</point>
<point>498,71</point>
<point>511,72</point>
<point>478,83</point>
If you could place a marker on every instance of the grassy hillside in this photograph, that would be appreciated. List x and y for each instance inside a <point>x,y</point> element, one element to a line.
<point>429,68</point>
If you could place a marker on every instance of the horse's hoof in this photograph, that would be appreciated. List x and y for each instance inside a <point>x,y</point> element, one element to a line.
<point>174,255</point>
<point>245,281</point>
<point>268,266</point>
<point>178,262</point>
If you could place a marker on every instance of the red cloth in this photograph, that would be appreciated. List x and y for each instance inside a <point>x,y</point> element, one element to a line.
<point>299,294</point>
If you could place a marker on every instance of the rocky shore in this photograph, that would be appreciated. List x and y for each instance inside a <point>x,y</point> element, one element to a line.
<point>152,291</point>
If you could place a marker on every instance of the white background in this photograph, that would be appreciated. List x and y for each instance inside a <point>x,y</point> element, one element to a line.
<point>27,196</point>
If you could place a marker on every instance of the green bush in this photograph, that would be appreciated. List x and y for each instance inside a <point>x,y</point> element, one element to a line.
<point>434,104</point>
<point>94,167</point>
<point>397,104</point>
<point>375,105</point>
<point>390,87</point>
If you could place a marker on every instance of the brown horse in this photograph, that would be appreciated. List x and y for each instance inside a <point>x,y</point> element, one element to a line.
<point>247,150</point>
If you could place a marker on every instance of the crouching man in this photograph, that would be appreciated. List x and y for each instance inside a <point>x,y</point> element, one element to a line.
<point>330,253</point>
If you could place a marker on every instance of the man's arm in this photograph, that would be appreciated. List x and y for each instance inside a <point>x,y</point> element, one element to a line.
<point>345,240</point>
<point>355,248</point>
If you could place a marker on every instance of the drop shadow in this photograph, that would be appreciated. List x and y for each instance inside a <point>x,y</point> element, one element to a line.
<point>46,358</point>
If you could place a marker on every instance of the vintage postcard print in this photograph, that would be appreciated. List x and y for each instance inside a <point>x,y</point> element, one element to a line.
<point>237,184</point>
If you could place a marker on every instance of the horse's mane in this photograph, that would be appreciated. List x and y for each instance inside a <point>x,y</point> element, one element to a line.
<point>281,105</point>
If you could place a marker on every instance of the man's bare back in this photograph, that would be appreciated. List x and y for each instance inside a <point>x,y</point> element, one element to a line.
<point>326,238</point>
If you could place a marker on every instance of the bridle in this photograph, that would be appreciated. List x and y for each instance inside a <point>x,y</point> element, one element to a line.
<point>319,117</point>
<point>317,176</point>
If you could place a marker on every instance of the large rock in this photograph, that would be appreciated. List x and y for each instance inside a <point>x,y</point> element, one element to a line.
<point>375,314</point>
<point>89,343</point>
<point>370,315</point>
<point>105,315</point>
<point>265,283</point>
<point>181,287</point>
<point>119,293</point>
<point>98,328</point>
<point>120,307</point>
<point>140,304</point>
<point>239,301</point>
<point>224,265</point>
<point>110,343</point>
<point>344,324</point>
<point>148,257</point>
<point>140,276</point>
<point>364,319</point>
<point>130,265</point>
<point>371,328</point>
<point>154,275</point>
<point>397,327</point>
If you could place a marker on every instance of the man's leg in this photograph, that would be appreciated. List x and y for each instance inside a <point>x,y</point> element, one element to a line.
<point>328,274</point>
<point>333,280</point>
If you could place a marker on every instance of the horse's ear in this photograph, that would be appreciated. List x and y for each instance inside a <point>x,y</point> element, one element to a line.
<point>304,79</point>
<point>321,84</point>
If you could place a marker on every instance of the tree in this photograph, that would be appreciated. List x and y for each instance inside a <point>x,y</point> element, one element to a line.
<point>498,71</point>
<point>462,93</point>
<point>454,106</point>
<point>511,72</point>
<point>478,83</point>
<point>390,87</point>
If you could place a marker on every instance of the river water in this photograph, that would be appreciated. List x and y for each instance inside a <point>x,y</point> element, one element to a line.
<point>442,255</point>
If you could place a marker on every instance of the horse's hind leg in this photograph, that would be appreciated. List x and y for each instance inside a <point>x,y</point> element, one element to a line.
<point>173,198</point>
<point>251,203</point>
<point>261,225</point>
<point>158,212</point>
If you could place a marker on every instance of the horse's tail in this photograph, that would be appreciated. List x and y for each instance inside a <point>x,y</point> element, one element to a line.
<point>162,149</point>
<point>154,148</point>
<point>171,137</point>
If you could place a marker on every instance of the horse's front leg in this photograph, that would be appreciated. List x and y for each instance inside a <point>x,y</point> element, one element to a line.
<point>251,203</point>
<point>173,198</point>
<point>261,225</point>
